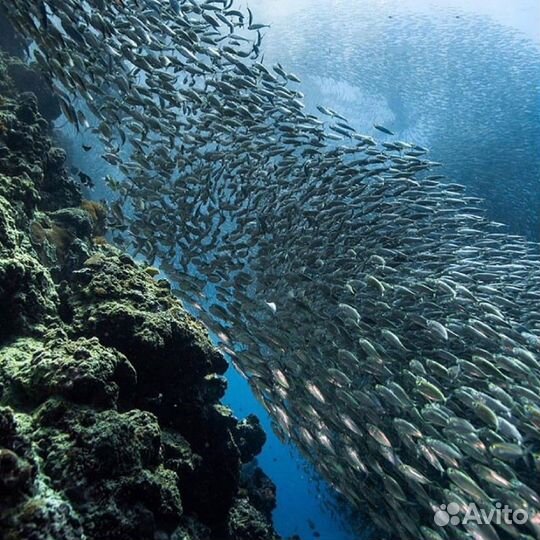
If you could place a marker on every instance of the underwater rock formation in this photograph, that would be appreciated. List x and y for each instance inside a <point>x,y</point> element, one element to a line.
<point>111,425</point>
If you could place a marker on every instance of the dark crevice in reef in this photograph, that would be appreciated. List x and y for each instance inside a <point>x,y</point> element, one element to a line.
<point>111,425</point>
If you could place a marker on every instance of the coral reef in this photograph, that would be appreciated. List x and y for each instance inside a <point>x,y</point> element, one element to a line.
<point>111,425</point>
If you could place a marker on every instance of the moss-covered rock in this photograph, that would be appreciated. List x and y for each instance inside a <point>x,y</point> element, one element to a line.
<point>8,230</point>
<point>138,315</point>
<point>111,426</point>
<point>21,193</point>
<point>247,523</point>
<point>42,517</point>
<point>249,437</point>
<point>79,445</point>
<point>29,509</point>
<point>28,298</point>
<point>82,370</point>
<point>259,489</point>
<point>110,466</point>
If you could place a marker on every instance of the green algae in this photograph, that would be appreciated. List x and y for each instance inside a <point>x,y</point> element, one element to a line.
<point>111,425</point>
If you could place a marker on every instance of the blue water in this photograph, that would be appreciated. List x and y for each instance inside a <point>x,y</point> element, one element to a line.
<point>404,64</point>
<point>305,503</point>
<point>461,77</point>
<point>302,495</point>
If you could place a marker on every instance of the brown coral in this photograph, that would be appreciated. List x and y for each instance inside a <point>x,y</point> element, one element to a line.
<point>98,213</point>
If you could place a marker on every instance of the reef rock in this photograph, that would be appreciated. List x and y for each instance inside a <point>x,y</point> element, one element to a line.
<point>111,425</point>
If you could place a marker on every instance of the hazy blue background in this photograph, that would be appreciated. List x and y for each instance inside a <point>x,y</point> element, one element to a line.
<point>460,76</point>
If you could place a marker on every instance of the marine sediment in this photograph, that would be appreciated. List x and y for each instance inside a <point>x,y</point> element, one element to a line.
<point>111,425</point>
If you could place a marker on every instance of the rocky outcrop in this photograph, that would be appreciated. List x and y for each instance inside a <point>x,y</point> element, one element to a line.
<point>111,425</point>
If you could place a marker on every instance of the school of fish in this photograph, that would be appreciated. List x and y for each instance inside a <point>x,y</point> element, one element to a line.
<point>390,329</point>
<point>452,79</point>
